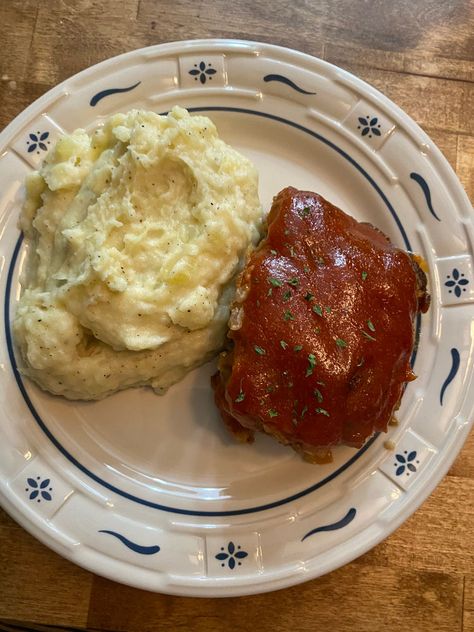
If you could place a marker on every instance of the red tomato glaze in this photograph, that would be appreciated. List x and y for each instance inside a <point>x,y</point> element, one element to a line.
<point>326,319</point>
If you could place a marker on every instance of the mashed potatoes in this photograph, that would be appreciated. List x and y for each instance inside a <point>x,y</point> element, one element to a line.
<point>135,235</point>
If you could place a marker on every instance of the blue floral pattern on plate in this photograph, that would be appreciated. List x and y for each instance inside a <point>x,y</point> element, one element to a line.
<point>203,72</point>
<point>370,126</point>
<point>456,282</point>
<point>230,556</point>
<point>39,489</point>
<point>37,141</point>
<point>406,462</point>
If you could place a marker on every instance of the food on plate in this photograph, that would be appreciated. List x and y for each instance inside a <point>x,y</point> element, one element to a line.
<point>135,234</point>
<point>321,330</point>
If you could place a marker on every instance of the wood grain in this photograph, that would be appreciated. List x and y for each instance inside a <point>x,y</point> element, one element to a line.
<point>10,625</point>
<point>36,584</point>
<point>16,40</point>
<point>464,464</point>
<point>437,536</point>
<point>421,55</point>
<point>395,596</point>
<point>468,603</point>
<point>465,163</point>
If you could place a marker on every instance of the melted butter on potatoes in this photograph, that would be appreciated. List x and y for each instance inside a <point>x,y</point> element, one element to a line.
<point>135,234</point>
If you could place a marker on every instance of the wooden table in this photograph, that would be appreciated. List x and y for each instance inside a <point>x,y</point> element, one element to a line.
<point>420,53</point>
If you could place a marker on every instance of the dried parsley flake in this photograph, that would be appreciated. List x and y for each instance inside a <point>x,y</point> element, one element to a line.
<point>321,411</point>
<point>318,394</point>
<point>311,363</point>
<point>275,282</point>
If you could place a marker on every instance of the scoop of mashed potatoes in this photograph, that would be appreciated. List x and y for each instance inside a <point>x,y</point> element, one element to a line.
<point>134,235</point>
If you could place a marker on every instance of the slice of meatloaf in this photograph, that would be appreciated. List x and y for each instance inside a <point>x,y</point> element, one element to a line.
<point>321,331</point>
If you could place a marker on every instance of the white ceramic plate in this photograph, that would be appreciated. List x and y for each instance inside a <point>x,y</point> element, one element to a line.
<point>151,491</point>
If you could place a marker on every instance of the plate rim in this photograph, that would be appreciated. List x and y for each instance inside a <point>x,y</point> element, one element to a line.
<point>418,494</point>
